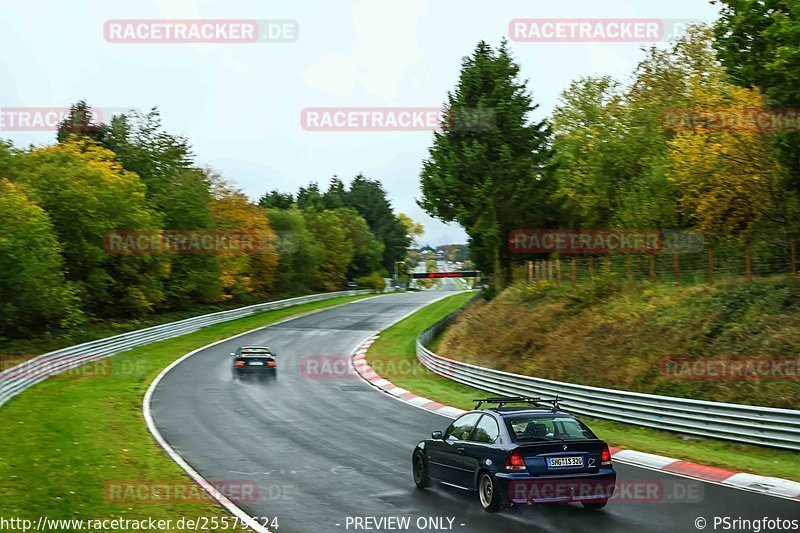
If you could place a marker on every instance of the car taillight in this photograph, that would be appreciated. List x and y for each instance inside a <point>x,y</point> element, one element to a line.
<point>240,363</point>
<point>605,457</point>
<point>515,461</point>
<point>271,363</point>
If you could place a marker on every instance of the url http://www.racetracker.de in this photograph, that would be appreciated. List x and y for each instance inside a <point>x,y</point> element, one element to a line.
<point>45,524</point>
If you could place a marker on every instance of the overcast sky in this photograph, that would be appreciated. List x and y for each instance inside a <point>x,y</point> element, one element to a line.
<point>240,104</point>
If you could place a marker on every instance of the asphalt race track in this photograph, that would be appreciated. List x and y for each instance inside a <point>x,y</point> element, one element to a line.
<point>326,448</point>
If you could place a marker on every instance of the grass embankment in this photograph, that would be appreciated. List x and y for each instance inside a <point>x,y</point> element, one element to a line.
<point>610,334</point>
<point>393,357</point>
<point>65,439</point>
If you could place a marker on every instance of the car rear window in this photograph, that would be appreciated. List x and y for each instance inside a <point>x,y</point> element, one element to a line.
<point>530,428</point>
<point>247,352</point>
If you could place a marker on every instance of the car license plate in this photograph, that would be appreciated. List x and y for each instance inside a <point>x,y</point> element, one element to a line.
<point>256,363</point>
<point>564,461</point>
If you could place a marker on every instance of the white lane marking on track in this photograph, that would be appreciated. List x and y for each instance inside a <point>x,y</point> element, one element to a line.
<point>176,457</point>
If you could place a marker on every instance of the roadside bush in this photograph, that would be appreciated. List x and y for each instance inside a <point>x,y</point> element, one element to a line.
<point>372,281</point>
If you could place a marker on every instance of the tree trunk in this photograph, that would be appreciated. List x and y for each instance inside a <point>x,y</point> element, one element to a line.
<point>710,265</point>
<point>748,267</point>
<point>676,267</point>
<point>499,280</point>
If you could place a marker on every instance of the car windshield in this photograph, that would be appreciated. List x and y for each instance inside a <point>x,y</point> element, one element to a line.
<point>537,427</point>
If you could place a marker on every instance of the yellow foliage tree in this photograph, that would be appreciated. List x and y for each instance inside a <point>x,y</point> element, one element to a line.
<point>722,162</point>
<point>252,273</point>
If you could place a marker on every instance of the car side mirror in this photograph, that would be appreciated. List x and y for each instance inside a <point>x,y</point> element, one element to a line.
<point>437,435</point>
<point>233,354</point>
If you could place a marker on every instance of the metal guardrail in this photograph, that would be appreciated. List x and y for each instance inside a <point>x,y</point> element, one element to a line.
<point>767,426</point>
<point>27,374</point>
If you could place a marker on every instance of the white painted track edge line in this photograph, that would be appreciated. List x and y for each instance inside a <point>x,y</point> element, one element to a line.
<point>176,457</point>
<point>623,461</point>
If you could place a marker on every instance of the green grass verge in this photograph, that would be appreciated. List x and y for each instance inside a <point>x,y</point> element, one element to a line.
<point>65,439</point>
<point>393,357</point>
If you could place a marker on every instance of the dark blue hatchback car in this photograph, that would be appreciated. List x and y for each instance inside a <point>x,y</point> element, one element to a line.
<point>518,455</point>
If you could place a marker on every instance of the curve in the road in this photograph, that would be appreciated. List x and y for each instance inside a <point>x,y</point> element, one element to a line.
<point>323,448</point>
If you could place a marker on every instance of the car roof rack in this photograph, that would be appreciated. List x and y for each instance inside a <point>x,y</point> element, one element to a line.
<point>501,401</point>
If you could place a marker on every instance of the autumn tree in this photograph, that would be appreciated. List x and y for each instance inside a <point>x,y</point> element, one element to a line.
<point>82,120</point>
<point>178,191</point>
<point>33,291</point>
<point>369,198</point>
<point>336,250</point>
<point>244,273</point>
<point>367,249</point>
<point>276,199</point>
<point>413,229</point>
<point>757,43</point>
<point>87,194</point>
<point>587,126</point>
<point>298,251</point>
<point>726,172</point>
<point>310,197</point>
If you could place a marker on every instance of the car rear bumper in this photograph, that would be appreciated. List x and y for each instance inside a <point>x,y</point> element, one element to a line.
<point>524,488</point>
<point>254,370</point>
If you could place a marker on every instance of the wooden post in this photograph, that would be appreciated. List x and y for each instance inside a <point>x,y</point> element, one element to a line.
<point>676,267</point>
<point>652,267</point>
<point>608,263</point>
<point>748,268</point>
<point>628,267</point>
<point>558,272</point>
<point>530,271</point>
<point>793,259</point>
<point>574,270</point>
<point>549,270</point>
<point>710,262</point>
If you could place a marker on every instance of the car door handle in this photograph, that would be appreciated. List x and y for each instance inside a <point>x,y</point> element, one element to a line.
<point>460,451</point>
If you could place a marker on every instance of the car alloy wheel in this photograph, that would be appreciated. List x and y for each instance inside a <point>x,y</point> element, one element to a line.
<point>490,500</point>
<point>421,477</point>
